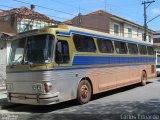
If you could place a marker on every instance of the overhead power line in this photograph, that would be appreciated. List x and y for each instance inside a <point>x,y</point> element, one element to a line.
<point>33,16</point>
<point>44,7</point>
<point>153,18</point>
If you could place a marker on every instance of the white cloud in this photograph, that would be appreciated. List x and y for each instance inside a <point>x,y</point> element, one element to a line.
<point>156,10</point>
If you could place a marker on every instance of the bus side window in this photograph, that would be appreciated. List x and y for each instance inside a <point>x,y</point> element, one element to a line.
<point>84,43</point>
<point>62,52</point>
<point>150,50</point>
<point>133,49</point>
<point>120,47</point>
<point>142,49</point>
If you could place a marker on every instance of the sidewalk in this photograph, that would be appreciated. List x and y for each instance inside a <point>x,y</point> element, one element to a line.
<point>2,88</point>
<point>3,98</point>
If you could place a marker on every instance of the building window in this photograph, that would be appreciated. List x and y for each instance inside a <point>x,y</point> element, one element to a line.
<point>143,37</point>
<point>22,27</point>
<point>38,25</point>
<point>129,32</point>
<point>116,29</point>
<point>30,27</point>
<point>150,38</point>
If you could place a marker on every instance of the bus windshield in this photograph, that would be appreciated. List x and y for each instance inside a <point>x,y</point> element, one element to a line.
<point>30,50</point>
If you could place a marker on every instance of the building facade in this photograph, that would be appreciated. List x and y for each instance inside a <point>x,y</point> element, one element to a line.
<point>22,19</point>
<point>112,24</point>
<point>4,40</point>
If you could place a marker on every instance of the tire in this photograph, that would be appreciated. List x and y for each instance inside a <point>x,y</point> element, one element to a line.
<point>143,78</point>
<point>84,92</point>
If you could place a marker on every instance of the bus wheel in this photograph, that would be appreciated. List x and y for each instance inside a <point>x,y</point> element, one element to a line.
<point>84,92</point>
<point>143,78</point>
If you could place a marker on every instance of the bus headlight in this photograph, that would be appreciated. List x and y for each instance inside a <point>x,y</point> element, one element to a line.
<point>37,87</point>
<point>47,87</point>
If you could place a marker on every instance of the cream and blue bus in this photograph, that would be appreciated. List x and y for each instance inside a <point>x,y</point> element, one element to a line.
<point>61,63</point>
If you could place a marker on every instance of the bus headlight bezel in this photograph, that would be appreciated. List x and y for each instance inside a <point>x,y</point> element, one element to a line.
<point>48,87</point>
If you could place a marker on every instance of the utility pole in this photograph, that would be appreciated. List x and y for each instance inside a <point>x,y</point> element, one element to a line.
<point>145,16</point>
<point>105,5</point>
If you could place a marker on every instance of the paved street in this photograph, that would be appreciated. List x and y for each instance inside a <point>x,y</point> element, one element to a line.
<point>132,102</point>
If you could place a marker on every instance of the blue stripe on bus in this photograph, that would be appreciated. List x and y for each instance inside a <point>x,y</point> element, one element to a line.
<point>81,67</point>
<point>92,60</point>
<point>98,36</point>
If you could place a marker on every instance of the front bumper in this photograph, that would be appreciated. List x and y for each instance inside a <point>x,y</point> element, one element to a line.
<point>33,99</point>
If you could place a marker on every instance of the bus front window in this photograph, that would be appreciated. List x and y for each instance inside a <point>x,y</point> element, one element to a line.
<point>17,52</point>
<point>39,49</point>
<point>34,49</point>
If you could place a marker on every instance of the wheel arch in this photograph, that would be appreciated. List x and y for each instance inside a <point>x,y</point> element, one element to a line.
<point>89,80</point>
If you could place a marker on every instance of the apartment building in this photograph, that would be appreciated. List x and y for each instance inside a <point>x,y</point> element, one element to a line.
<point>112,24</point>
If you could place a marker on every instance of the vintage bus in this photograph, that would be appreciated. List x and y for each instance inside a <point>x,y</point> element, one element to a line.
<point>61,63</point>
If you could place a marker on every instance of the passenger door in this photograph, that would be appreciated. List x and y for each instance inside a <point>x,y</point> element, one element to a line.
<point>62,52</point>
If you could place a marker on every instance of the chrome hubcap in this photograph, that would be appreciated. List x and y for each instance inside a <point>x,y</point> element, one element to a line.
<point>84,91</point>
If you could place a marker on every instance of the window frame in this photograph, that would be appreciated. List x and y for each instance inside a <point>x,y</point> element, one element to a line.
<point>100,47</point>
<point>149,38</point>
<point>131,45</point>
<point>118,29</point>
<point>60,55</point>
<point>129,33</point>
<point>81,47</point>
<point>148,51</point>
<point>141,50</point>
<point>120,50</point>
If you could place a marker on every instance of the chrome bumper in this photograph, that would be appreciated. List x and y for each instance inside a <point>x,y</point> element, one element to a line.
<point>33,99</point>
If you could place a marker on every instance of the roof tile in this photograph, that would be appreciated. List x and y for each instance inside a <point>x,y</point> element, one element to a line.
<point>27,13</point>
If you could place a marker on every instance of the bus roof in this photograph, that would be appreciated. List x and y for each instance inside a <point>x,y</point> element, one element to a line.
<point>67,30</point>
<point>83,31</point>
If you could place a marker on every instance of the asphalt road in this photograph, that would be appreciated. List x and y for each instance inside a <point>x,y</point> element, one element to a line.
<point>132,102</point>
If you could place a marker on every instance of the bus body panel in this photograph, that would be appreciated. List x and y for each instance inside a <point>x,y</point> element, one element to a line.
<point>65,82</point>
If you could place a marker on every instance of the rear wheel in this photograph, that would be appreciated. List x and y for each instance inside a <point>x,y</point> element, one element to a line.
<point>143,78</point>
<point>84,92</point>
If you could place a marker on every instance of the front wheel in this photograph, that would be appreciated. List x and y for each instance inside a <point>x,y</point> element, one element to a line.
<point>84,92</point>
<point>143,78</point>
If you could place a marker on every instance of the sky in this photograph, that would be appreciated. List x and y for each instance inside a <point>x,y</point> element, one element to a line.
<point>62,10</point>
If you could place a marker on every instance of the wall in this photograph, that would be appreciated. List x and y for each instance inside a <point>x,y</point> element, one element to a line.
<point>99,22</point>
<point>28,24</point>
<point>2,61</point>
<point>111,24</point>
<point>137,32</point>
<point>8,24</point>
